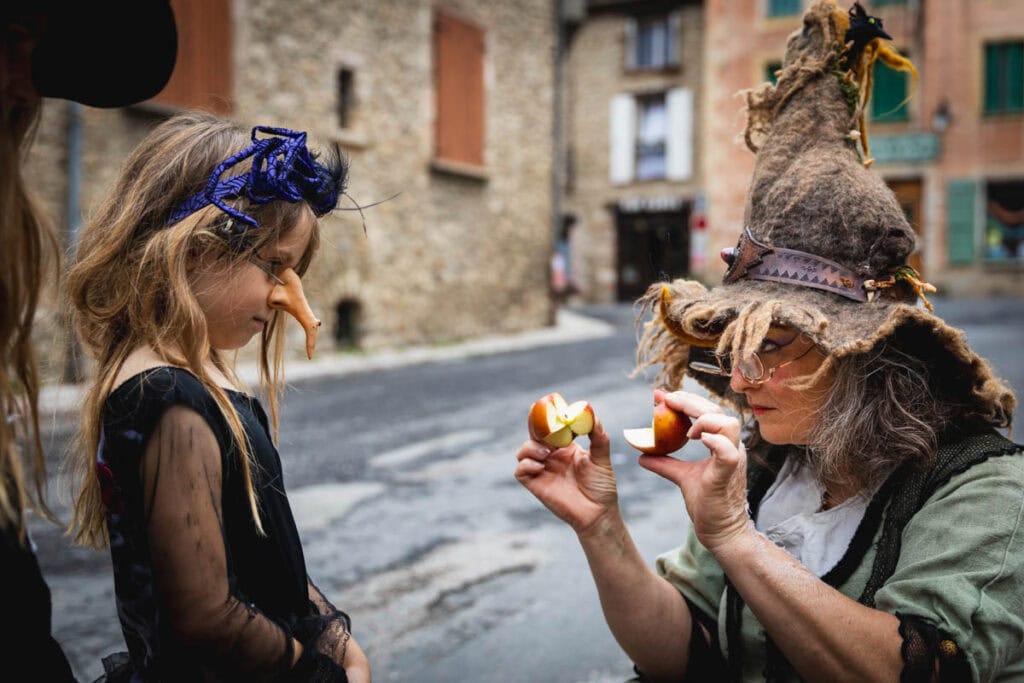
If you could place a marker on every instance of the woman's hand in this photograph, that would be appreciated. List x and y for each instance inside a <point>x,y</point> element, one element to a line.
<point>714,489</point>
<point>578,486</point>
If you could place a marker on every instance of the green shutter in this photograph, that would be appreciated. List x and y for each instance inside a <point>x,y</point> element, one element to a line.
<point>783,8</point>
<point>769,72</point>
<point>1014,76</point>
<point>960,199</point>
<point>992,80</point>
<point>889,94</point>
<point>1004,77</point>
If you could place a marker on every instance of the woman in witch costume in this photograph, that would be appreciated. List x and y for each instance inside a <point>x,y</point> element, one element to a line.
<point>863,521</point>
<point>200,247</point>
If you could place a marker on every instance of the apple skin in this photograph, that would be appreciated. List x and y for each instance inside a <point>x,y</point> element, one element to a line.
<point>667,433</point>
<point>554,422</point>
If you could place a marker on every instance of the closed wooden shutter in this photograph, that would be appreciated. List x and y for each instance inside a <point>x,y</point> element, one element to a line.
<point>1004,77</point>
<point>202,77</point>
<point>960,220</point>
<point>679,165</point>
<point>889,95</point>
<point>459,89</point>
<point>622,139</point>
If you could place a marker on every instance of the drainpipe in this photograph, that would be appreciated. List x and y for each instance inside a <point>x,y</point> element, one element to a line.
<point>72,209</point>
<point>558,160</point>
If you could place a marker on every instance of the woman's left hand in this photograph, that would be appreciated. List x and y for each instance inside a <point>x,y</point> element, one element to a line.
<point>714,489</point>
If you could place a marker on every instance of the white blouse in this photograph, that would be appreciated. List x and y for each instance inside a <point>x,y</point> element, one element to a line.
<point>790,515</point>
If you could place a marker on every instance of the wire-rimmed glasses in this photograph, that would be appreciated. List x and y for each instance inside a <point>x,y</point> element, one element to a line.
<point>266,268</point>
<point>760,366</point>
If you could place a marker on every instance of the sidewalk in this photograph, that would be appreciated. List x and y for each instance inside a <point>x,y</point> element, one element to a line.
<point>57,399</point>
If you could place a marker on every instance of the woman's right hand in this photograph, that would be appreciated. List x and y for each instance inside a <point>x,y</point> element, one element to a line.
<point>578,486</point>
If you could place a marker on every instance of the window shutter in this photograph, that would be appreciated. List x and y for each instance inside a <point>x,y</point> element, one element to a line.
<point>674,37</point>
<point>630,43</point>
<point>623,133</point>
<point>889,94</point>
<point>680,134</point>
<point>459,91</point>
<point>992,81</point>
<point>1015,76</point>
<point>202,73</point>
<point>961,197</point>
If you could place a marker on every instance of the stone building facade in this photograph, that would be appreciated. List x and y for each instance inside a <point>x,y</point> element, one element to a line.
<point>953,153</point>
<point>461,249</point>
<point>631,188</point>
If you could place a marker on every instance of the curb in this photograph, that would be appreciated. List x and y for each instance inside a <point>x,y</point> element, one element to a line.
<point>62,399</point>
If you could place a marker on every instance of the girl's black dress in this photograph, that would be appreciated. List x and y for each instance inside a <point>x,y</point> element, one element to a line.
<point>201,594</point>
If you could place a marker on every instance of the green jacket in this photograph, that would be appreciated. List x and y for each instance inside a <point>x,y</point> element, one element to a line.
<point>960,567</point>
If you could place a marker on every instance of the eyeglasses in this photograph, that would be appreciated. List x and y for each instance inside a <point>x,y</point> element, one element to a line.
<point>760,366</point>
<point>266,268</point>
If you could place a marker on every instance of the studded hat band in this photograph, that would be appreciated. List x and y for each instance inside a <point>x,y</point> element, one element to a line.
<point>754,260</point>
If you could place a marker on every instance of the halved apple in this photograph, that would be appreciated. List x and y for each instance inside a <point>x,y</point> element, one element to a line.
<point>556,422</point>
<point>666,434</point>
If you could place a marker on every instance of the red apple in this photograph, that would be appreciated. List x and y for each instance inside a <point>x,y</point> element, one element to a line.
<point>666,434</point>
<point>556,422</point>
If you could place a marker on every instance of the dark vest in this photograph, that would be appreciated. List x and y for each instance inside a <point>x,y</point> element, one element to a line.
<point>903,493</point>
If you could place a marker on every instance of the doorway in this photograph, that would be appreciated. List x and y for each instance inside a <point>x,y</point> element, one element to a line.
<point>651,246</point>
<point>908,194</point>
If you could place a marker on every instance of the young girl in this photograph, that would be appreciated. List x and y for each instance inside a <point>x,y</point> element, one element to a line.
<point>198,248</point>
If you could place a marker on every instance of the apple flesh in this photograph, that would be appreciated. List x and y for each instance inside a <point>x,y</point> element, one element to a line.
<point>556,422</point>
<point>666,434</point>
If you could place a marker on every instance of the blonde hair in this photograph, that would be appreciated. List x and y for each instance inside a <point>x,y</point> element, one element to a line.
<point>129,286</point>
<point>28,242</point>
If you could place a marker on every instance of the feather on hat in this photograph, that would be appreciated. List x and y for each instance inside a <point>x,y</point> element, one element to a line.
<point>825,245</point>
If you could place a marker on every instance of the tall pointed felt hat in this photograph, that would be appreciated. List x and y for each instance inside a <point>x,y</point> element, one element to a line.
<point>825,243</point>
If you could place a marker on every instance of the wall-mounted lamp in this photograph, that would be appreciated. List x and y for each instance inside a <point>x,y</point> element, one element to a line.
<point>942,117</point>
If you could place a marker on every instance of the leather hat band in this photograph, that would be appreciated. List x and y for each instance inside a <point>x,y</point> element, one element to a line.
<point>754,260</point>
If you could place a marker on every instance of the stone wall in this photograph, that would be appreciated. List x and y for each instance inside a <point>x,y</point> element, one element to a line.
<point>452,256</point>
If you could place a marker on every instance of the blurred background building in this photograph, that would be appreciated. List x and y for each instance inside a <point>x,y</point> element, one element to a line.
<point>581,148</point>
<point>448,103</point>
<point>657,172</point>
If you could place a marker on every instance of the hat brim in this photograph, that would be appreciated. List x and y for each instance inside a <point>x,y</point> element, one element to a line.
<point>108,54</point>
<point>839,326</point>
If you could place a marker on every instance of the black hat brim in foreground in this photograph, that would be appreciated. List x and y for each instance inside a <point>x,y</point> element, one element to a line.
<point>104,54</point>
<point>840,327</point>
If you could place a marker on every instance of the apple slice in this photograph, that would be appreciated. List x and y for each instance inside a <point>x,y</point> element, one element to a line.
<point>557,423</point>
<point>666,434</point>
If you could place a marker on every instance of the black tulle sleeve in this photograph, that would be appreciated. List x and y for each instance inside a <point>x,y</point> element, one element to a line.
<point>181,474</point>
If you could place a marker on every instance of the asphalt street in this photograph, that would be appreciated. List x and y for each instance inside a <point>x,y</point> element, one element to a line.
<point>401,481</point>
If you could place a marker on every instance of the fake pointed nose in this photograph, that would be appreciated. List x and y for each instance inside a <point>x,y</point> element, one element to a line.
<point>290,298</point>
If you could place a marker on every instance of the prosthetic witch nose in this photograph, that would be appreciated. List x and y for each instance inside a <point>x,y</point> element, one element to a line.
<point>289,297</point>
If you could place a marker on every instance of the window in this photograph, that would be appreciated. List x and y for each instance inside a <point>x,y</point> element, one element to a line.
<point>784,8</point>
<point>879,3</point>
<point>346,97</point>
<point>1004,77</point>
<point>652,41</point>
<point>1004,220</point>
<point>651,137</point>
<point>459,91</point>
<point>889,94</point>
<point>202,72</point>
<point>769,72</point>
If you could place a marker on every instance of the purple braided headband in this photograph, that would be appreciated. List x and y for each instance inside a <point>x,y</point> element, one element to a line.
<point>282,169</point>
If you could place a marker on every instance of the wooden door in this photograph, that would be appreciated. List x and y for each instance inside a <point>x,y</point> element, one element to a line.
<point>908,194</point>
